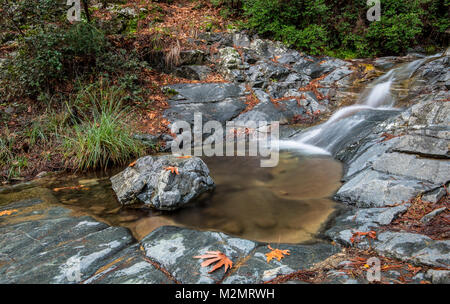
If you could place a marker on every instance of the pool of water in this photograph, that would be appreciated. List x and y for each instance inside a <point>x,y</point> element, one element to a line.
<point>285,204</point>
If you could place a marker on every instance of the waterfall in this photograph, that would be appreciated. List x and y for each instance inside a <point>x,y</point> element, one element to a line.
<point>376,103</point>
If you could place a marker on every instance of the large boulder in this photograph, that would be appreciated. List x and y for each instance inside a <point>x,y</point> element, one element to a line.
<point>150,181</point>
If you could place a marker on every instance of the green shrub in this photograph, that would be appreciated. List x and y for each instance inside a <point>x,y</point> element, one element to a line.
<point>341,27</point>
<point>102,138</point>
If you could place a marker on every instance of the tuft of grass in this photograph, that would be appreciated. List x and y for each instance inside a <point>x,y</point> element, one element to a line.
<point>102,138</point>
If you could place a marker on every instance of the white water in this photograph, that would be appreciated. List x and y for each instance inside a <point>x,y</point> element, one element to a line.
<point>376,97</point>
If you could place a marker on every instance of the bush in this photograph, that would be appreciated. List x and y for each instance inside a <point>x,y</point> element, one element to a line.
<point>48,57</point>
<point>102,138</point>
<point>341,27</point>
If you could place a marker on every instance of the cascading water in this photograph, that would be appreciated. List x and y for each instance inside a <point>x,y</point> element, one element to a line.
<point>376,103</point>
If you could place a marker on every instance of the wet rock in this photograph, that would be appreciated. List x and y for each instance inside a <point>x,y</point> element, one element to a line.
<point>129,267</point>
<point>380,172</point>
<point>385,63</point>
<point>47,245</point>
<point>150,183</point>
<point>174,248</point>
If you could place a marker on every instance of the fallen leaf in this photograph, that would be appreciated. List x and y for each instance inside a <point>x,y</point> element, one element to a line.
<point>356,235</point>
<point>132,164</point>
<point>184,157</point>
<point>215,256</point>
<point>172,169</point>
<point>8,212</point>
<point>80,187</point>
<point>276,254</point>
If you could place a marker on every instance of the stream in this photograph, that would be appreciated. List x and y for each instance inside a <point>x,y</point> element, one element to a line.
<point>289,203</point>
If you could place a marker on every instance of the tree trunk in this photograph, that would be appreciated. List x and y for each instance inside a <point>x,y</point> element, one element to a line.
<point>86,10</point>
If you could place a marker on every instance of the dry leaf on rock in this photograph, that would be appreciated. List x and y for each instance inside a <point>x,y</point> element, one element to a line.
<point>215,256</point>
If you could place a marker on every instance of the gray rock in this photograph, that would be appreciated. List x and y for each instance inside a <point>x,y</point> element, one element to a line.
<point>414,167</point>
<point>45,244</point>
<point>205,92</point>
<point>216,101</point>
<point>195,72</point>
<point>416,248</point>
<point>428,217</point>
<point>423,145</point>
<point>174,248</point>
<point>371,188</point>
<point>257,270</point>
<point>241,40</point>
<point>192,57</point>
<point>438,276</point>
<point>362,220</point>
<point>435,195</point>
<point>129,267</point>
<point>150,183</point>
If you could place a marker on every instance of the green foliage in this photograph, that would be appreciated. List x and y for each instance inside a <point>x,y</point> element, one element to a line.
<point>341,27</point>
<point>102,138</point>
<point>48,57</point>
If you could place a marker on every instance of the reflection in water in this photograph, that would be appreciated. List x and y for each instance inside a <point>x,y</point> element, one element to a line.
<point>286,204</point>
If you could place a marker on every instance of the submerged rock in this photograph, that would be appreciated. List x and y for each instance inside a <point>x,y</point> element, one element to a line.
<point>149,181</point>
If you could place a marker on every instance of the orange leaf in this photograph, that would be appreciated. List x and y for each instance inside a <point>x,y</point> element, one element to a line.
<point>80,187</point>
<point>132,164</point>
<point>8,212</point>
<point>276,254</point>
<point>215,257</point>
<point>184,157</point>
<point>356,235</point>
<point>172,169</point>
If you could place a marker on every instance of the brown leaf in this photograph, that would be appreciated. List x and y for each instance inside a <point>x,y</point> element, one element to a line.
<point>215,257</point>
<point>276,254</point>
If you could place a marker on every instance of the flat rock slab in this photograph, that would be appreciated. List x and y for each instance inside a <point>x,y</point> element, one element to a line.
<point>215,101</point>
<point>129,266</point>
<point>174,248</point>
<point>205,92</point>
<point>55,247</point>
<point>256,269</point>
<point>423,145</point>
<point>371,188</point>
